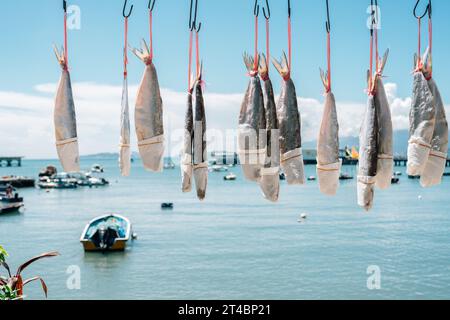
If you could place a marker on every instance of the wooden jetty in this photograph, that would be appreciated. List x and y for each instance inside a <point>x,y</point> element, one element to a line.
<point>8,161</point>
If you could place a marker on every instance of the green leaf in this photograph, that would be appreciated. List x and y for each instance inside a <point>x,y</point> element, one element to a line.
<point>3,254</point>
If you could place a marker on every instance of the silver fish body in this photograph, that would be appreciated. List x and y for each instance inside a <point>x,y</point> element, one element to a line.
<point>199,143</point>
<point>290,127</point>
<point>422,123</point>
<point>251,123</point>
<point>368,155</point>
<point>386,142</point>
<point>186,158</point>
<point>328,160</point>
<point>149,115</point>
<point>435,165</point>
<point>270,174</point>
<point>125,148</point>
<point>65,121</point>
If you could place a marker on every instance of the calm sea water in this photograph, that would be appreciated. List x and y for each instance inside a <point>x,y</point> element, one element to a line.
<point>235,245</point>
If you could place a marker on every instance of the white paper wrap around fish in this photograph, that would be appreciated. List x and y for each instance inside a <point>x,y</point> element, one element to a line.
<point>65,120</point>
<point>149,115</point>
<point>328,160</point>
<point>124,147</point>
<point>290,127</point>
<point>252,123</point>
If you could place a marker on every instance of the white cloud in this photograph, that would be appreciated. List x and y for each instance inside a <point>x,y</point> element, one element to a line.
<point>26,120</point>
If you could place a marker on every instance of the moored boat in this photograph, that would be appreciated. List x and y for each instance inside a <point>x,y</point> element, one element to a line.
<point>106,233</point>
<point>97,168</point>
<point>395,180</point>
<point>230,177</point>
<point>345,176</point>
<point>18,182</point>
<point>10,201</point>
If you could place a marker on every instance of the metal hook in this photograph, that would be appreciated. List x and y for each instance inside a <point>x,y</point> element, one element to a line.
<point>151,5</point>
<point>267,16</point>
<point>124,7</point>
<point>328,23</point>
<point>193,22</point>
<point>289,8</point>
<point>65,5</point>
<point>256,9</point>
<point>373,14</point>
<point>427,10</point>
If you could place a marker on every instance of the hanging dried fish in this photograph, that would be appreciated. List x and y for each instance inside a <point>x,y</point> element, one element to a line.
<point>328,160</point>
<point>422,120</point>
<point>437,159</point>
<point>149,114</point>
<point>270,173</point>
<point>385,165</point>
<point>290,126</point>
<point>368,155</point>
<point>125,151</point>
<point>251,125</point>
<point>65,119</point>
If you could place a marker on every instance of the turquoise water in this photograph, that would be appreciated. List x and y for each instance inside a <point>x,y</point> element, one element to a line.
<point>235,245</point>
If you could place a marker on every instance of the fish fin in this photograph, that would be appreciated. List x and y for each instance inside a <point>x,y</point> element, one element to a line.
<point>143,53</point>
<point>199,76</point>
<point>285,61</point>
<point>263,67</point>
<point>369,77</point>
<point>145,47</point>
<point>138,53</point>
<point>56,51</point>
<point>282,66</point>
<point>383,61</point>
<point>249,62</point>
<point>60,56</point>
<point>324,77</point>
<point>427,63</point>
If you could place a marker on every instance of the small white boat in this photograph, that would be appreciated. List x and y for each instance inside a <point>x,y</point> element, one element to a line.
<point>230,177</point>
<point>218,168</point>
<point>106,233</point>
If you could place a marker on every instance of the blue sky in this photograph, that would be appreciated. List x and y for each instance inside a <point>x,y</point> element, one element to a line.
<point>30,72</point>
<point>95,50</point>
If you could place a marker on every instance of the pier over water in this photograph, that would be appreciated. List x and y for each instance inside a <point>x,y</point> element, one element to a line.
<point>9,161</point>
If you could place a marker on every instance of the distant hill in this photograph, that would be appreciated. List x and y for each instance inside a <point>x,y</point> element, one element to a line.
<point>107,155</point>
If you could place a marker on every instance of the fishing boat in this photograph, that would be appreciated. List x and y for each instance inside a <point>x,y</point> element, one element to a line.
<point>345,176</point>
<point>230,177</point>
<point>18,182</point>
<point>167,206</point>
<point>97,168</point>
<point>282,176</point>
<point>395,180</point>
<point>106,233</point>
<point>10,203</point>
<point>311,178</point>
<point>218,168</point>
<point>58,183</point>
